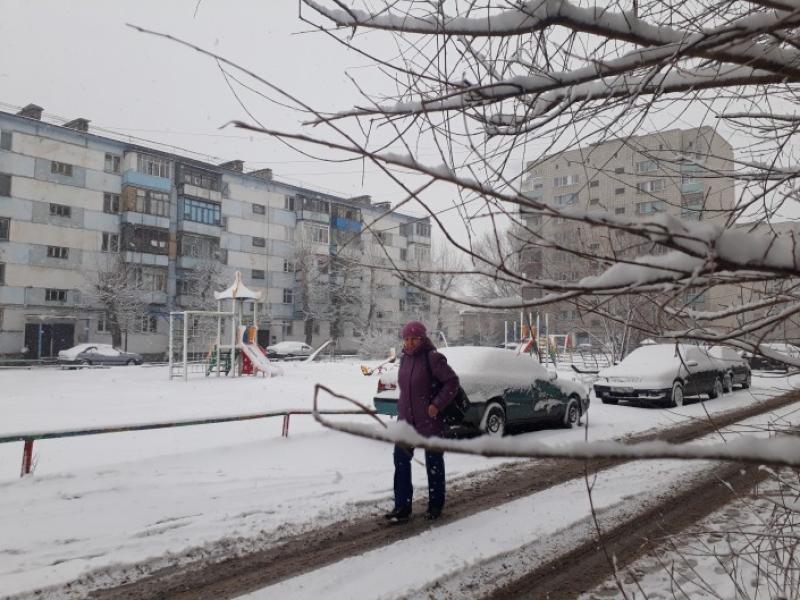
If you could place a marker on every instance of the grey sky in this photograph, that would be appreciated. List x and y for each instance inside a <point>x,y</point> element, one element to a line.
<point>78,59</point>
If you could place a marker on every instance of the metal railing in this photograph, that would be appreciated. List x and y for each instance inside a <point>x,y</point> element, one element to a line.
<point>29,437</point>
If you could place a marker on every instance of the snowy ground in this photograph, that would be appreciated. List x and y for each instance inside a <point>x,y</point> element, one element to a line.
<point>98,502</point>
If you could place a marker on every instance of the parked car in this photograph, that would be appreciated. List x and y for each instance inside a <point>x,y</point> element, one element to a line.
<point>663,373</point>
<point>98,354</point>
<point>735,368</point>
<point>288,350</point>
<point>759,362</point>
<point>504,390</point>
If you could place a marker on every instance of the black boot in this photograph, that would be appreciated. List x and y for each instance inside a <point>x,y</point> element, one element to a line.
<point>432,514</point>
<point>398,515</point>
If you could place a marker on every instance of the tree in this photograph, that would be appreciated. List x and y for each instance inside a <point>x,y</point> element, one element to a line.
<point>117,290</point>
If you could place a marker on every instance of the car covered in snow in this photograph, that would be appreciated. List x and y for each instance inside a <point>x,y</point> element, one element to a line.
<point>97,354</point>
<point>735,368</point>
<point>288,350</point>
<point>505,390</point>
<point>765,362</point>
<point>662,373</point>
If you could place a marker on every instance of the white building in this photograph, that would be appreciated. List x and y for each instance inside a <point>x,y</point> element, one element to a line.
<point>75,207</point>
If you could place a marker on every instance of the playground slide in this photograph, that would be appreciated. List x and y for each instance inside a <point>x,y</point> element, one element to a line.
<point>258,358</point>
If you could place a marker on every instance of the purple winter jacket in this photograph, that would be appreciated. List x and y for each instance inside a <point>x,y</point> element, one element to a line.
<point>417,388</point>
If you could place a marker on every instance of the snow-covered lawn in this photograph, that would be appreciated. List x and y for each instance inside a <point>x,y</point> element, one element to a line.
<point>100,501</point>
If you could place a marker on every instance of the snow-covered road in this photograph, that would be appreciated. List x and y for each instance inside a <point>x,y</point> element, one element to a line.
<point>99,502</point>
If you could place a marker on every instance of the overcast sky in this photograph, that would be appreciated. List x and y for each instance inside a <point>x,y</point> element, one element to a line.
<point>79,59</point>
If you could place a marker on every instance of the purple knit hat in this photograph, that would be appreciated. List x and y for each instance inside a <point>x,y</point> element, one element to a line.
<point>414,329</point>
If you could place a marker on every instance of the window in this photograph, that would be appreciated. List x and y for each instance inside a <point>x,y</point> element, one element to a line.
<point>422,253</point>
<point>288,266</point>
<point>112,163</point>
<point>402,305</point>
<point>198,178</point>
<point>619,170</point>
<point>199,246</point>
<point>422,229</point>
<point>566,199</point>
<point>147,324</point>
<point>257,274</point>
<point>152,203</point>
<point>594,183</point>
<point>317,234</point>
<point>103,325</point>
<point>201,211</point>
<point>620,210</point>
<point>2,273</point>
<point>565,180</point>
<point>314,204</point>
<point>384,237</point>
<point>153,165</point>
<point>288,202</point>
<point>646,166</point>
<point>649,208</point>
<point>149,279</point>
<point>259,242</point>
<point>594,201</point>
<point>5,140</point>
<point>60,168</point>
<point>55,295</point>
<point>288,329</point>
<point>110,242</point>
<point>288,296</point>
<point>110,203</point>
<point>403,254</point>
<point>5,184</point>
<point>5,225</point>
<point>259,209</point>
<point>57,252</point>
<point>148,240</point>
<point>59,210</point>
<point>651,186</point>
<point>619,191</point>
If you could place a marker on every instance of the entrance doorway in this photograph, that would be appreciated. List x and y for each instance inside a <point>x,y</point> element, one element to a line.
<point>263,338</point>
<point>47,339</point>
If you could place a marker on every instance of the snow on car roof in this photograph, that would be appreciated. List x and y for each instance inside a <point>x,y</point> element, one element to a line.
<point>490,361</point>
<point>646,355</point>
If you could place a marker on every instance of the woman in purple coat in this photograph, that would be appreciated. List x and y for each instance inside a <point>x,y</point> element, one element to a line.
<point>427,385</point>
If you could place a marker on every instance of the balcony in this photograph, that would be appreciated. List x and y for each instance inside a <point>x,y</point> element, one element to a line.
<point>346,224</point>
<point>195,191</point>
<point>137,218</point>
<point>148,181</point>
<point>310,215</point>
<point>145,258</point>
<point>691,187</point>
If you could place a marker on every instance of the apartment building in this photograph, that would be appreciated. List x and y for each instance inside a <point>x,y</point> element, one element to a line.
<point>679,172</point>
<point>77,208</point>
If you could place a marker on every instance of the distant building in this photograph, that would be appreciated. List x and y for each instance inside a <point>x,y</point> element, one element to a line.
<point>74,205</point>
<point>680,172</point>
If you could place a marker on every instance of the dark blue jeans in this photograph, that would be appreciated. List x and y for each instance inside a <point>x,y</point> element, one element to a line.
<point>403,489</point>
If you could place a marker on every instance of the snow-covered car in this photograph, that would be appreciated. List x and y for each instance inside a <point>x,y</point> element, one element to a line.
<point>735,368</point>
<point>504,390</point>
<point>762,362</point>
<point>288,350</point>
<point>663,373</point>
<point>97,354</point>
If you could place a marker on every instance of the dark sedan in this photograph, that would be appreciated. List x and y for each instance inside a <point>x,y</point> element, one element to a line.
<point>504,389</point>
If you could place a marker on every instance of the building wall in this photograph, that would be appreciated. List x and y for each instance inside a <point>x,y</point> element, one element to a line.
<point>674,172</point>
<point>153,216</point>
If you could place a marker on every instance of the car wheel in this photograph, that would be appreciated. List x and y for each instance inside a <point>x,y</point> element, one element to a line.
<point>88,363</point>
<point>494,422</point>
<point>717,390</point>
<point>130,362</point>
<point>727,383</point>
<point>747,382</point>
<point>572,413</point>
<point>609,401</point>
<point>676,397</point>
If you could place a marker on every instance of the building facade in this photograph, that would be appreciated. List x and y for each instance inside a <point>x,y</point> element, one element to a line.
<point>79,210</point>
<point>679,172</point>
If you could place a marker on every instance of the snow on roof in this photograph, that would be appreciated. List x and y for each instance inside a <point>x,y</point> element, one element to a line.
<point>237,290</point>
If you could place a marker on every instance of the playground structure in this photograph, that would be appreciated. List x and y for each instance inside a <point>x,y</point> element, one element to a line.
<point>218,341</point>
